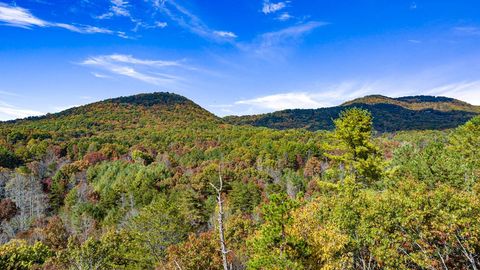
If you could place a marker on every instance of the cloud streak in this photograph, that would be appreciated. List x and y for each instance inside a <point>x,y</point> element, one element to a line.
<point>117,8</point>
<point>20,17</point>
<point>332,95</point>
<point>145,70</point>
<point>8,112</point>
<point>186,19</point>
<point>273,45</point>
<point>467,30</point>
<point>273,7</point>
<point>468,91</point>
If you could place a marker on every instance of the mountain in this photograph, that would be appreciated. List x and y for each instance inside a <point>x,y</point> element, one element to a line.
<point>444,104</point>
<point>390,114</point>
<point>138,111</point>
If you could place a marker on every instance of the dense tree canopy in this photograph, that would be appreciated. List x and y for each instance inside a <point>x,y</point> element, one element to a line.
<point>126,184</point>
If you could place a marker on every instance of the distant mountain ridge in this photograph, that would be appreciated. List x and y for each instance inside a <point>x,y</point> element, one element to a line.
<point>418,103</point>
<point>390,114</point>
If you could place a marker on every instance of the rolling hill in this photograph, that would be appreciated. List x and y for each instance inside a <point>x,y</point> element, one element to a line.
<point>156,110</point>
<point>137,183</point>
<point>390,114</point>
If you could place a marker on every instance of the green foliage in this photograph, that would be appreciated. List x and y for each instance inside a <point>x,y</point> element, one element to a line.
<point>122,186</point>
<point>142,156</point>
<point>158,226</point>
<point>357,151</point>
<point>8,159</point>
<point>244,197</point>
<point>271,247</point>
<point>198,252</point>
<point>18,255</point>
<point>114,250</point>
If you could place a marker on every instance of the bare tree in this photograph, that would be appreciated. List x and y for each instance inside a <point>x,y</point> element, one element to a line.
<point>26,192</point>
<point>221,231</point>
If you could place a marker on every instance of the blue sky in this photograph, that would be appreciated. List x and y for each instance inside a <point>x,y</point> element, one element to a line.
<point>233,56</point>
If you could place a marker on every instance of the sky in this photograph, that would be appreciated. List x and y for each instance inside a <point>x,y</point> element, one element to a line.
<point>235,57</point>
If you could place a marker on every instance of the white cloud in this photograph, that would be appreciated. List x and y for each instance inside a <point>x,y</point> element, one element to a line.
<point>132,73</point>
<point>128,59</point>
<point>117,8</point>
<point>9,112</point>
<point>83,29</point>
<point>20,17</point>
<point>291,32</point>
<point>332,95</point>
<point>161,24</point>
<point>283,101</point>
<point>100,75</point>
<point>148,71</point>
<point>273,45</point>
<point>6,93</point>
<point>415,41</point>
<point>225,34</point>
<point>468,91</point>
<point>273,7</point>
<point>65,107</point>
<point>186,19</point>
<point>284,16</point>
<point>467,30</point>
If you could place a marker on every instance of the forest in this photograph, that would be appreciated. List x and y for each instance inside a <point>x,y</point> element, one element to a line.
<point>154,181</point>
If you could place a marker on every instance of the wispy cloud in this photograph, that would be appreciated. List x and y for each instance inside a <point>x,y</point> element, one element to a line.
<point>19,17</point>
<point>100,75</point>
<point>468,91</point>
<point>148,71</point>
<point>225,34</point>
<point>415,41</point>
<point>6,93</point>
<point>467,30</point>
<point>8,112</point>
<point>272,45</point>
<point>285,16</point>
<point>65,107</point>
<point>186,19</point>
<point>283,101</point>
<point>331,95</point>
<point>117,8</point>
<point>269,7</point>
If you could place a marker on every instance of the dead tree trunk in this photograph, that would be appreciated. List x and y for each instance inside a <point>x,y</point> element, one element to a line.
<point>221,231</point>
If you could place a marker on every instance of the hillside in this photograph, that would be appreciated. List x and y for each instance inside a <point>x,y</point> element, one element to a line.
<point>444,104</point>
<point>116,117</point>
<point>142,182</point>
<point>389,114</point>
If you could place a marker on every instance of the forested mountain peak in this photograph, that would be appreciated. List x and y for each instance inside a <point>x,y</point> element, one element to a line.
<point>421,102</point>
<point>157,106</point>
<point>151,99</point>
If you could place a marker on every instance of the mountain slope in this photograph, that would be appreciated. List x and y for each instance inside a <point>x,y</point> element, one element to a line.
<point>156,109</point>
<point>406,113</point>
<point>418,103</point>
